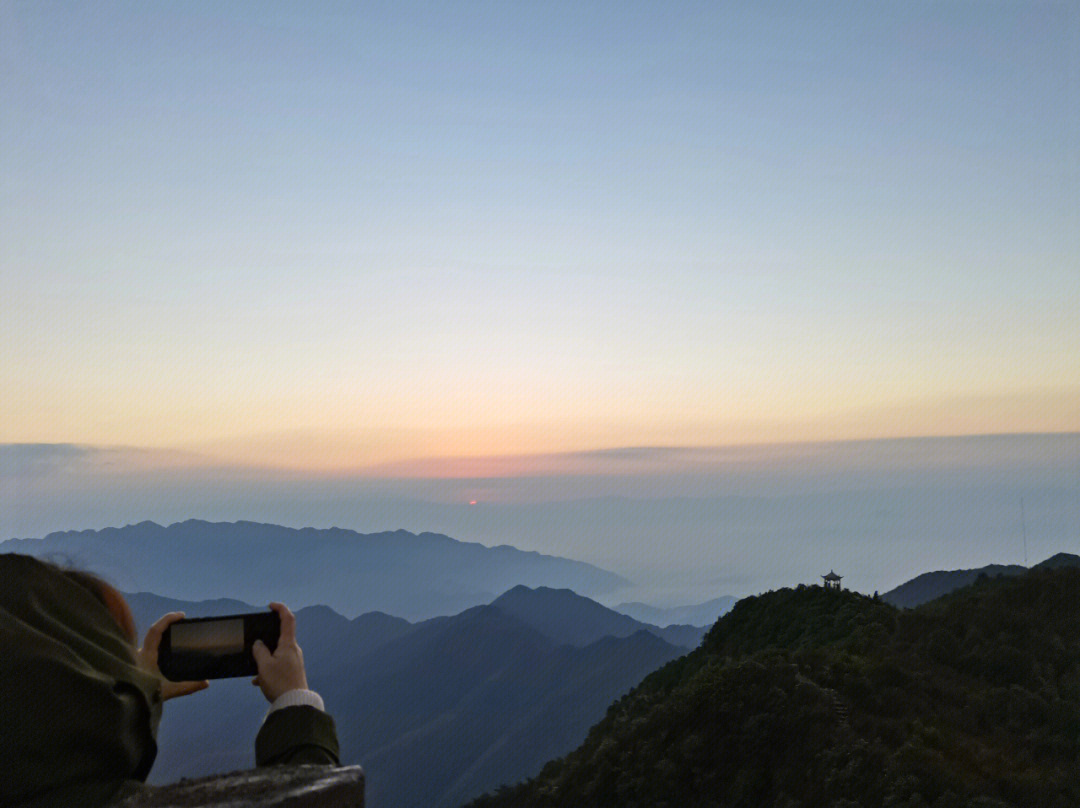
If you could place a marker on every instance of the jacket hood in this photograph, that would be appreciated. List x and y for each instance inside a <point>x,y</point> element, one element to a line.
<point>77,715</point>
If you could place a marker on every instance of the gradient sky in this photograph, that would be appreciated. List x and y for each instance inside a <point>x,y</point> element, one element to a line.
<point>334,235</point>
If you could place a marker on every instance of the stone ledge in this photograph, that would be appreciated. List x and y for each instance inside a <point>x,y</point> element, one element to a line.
<point>270,787</point>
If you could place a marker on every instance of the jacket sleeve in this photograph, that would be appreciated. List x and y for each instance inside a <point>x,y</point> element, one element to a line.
<point>295,735</point>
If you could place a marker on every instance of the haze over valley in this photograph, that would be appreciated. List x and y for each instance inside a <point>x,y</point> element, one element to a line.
<point>678,526</point>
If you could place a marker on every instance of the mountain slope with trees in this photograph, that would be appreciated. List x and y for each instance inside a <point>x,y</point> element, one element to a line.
<point>808,697</point>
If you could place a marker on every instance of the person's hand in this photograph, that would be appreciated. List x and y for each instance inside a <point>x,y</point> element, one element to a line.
<point>148,659</point>
<point>282,670</point>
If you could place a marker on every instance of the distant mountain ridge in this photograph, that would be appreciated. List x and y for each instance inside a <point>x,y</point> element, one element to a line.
<point>147,607</point>
<point>415,576</point>
<point>1059,561</point>
<point>699,614</point>
<point>932,585</point>
<point>563,615</point>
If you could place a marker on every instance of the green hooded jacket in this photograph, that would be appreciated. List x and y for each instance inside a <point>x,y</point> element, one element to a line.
<point>78,716</point>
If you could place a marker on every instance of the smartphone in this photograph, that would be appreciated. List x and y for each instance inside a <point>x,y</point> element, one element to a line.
<point>215,647</point>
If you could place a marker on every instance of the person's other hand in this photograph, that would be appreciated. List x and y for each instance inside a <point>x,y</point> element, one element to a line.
<point>148,659</point>
<point>282,670</point>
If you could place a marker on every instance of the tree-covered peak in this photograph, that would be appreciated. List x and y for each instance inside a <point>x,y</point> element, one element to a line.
<point>796,618</point>
<point>809,697</point>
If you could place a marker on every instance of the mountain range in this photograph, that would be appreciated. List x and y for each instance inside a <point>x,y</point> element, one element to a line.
<point>437,711</point>
<point>401,573</point>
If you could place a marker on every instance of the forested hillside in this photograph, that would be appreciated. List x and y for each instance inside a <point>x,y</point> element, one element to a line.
<point>808,697</point>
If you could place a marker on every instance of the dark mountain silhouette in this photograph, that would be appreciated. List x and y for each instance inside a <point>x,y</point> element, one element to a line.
<point>564,616</point>
<point>148,607</point>
<point>930,585</point>
<point>438,711</point>
<point>460,705</point>
<point>320,626</point>
<point>1058,561</point>
<point>700,614</point>
<point>333,642</point>
<point>414,576</point>
<point>809,697</point>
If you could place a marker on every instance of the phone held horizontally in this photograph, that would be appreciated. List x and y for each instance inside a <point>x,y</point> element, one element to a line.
<point>215,647</point>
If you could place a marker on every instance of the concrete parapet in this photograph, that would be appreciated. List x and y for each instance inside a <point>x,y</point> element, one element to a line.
<point>269,787</point>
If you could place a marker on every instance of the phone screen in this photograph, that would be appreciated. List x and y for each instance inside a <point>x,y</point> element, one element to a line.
<point>216,647</point>
<point>214,638</point>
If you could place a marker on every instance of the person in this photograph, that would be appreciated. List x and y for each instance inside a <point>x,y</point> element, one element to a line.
<point>80,701</point>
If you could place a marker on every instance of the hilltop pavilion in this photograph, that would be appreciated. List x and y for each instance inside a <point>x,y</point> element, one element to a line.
<point>832,580</point>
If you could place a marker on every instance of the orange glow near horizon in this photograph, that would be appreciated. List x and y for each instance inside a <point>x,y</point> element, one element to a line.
<point>528,449</point>
<point>457,437</point>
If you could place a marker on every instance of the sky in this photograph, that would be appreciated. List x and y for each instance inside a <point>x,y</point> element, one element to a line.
<point>482,241</point>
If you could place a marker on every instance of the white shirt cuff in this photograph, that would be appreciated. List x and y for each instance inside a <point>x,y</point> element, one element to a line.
<point>297,698</point>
